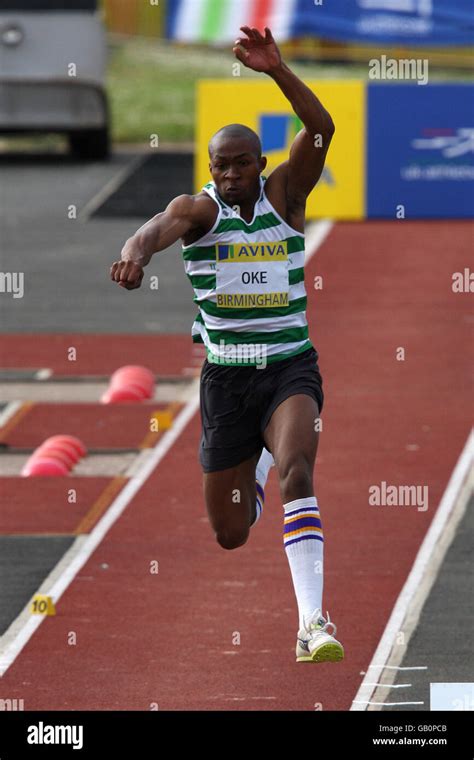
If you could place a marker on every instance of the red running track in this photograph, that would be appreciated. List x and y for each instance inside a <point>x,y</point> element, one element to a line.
<point>168,638</point>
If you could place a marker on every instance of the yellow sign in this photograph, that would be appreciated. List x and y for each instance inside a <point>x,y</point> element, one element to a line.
<point>340,192</point>
<point>42,605</point>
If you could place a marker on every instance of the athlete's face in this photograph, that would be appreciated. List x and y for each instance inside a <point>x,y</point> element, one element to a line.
<point>235,170</point>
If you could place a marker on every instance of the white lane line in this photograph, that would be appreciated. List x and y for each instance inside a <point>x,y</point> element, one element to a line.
<point>138,462</point>
<point>110,187</point>
<point>423,573</point>
<point>315,235</point>
<point>391,685</point>
<point>21,630</point>
<point>400,667</point>
<point>389,704</point>
<point>7,413</point>
<point>43,374</point>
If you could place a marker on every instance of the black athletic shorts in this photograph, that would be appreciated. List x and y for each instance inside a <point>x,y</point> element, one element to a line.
<point>237,403</point>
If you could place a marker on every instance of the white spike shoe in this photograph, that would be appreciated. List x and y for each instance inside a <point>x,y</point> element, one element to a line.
<point>315,643</point>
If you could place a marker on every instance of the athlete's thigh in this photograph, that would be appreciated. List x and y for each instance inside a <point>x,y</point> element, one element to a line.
<point>292,431</point>
<point>230,495</point>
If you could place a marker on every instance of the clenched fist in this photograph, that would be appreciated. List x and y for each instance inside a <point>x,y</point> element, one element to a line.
<point>128,274</point>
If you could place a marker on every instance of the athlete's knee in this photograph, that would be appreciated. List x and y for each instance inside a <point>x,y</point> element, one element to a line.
<point>296,478</point>
<point>231,539</point>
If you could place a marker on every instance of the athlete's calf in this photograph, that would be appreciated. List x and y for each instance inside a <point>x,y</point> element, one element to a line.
<point>230,497</point>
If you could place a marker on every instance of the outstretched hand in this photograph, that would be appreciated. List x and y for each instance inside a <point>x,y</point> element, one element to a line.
<point>257,52</point>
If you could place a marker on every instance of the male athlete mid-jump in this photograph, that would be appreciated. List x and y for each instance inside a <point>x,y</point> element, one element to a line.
<point>261,390</point>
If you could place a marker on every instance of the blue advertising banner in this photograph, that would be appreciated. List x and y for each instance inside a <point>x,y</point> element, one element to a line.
<point>404,22</point>
<point>420,150</point>
<point>410,22</point>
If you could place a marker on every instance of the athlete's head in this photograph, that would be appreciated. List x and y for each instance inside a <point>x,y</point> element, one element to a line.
<point>236,162</point>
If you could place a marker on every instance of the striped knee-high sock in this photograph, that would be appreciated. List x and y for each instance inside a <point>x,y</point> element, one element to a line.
<point>263,468</point>
<point>304,543</point>
<point>259,503</point>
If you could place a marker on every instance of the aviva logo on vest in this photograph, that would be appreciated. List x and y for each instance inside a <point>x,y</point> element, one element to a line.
<point>245,252</point>
<point>277,132</point>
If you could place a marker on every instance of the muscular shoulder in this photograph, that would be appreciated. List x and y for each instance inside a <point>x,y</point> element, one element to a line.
<point>202,212</point>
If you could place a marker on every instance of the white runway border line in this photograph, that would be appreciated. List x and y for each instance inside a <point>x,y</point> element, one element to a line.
<point>407,609</point>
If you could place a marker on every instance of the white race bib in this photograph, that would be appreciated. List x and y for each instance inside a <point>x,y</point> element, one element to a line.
<point>252,275</point>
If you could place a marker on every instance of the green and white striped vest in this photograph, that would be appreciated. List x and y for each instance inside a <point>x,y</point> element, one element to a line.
<point>248,281</point>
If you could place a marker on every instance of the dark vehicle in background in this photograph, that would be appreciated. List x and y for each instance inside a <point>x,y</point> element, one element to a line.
<point>52,69</point>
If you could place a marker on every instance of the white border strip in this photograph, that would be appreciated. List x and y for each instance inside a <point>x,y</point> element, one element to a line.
<point>8,412</point>
<point>391,685</point>
<point>22,629</point>
<point>400,667</point>
<point>110,187</point>
<point>315,235</point>
<point>415,578</point>
<point>387,704</point>
<point>44,374</point>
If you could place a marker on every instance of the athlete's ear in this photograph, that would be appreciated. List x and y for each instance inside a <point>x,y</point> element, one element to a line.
<point>263,163</point>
